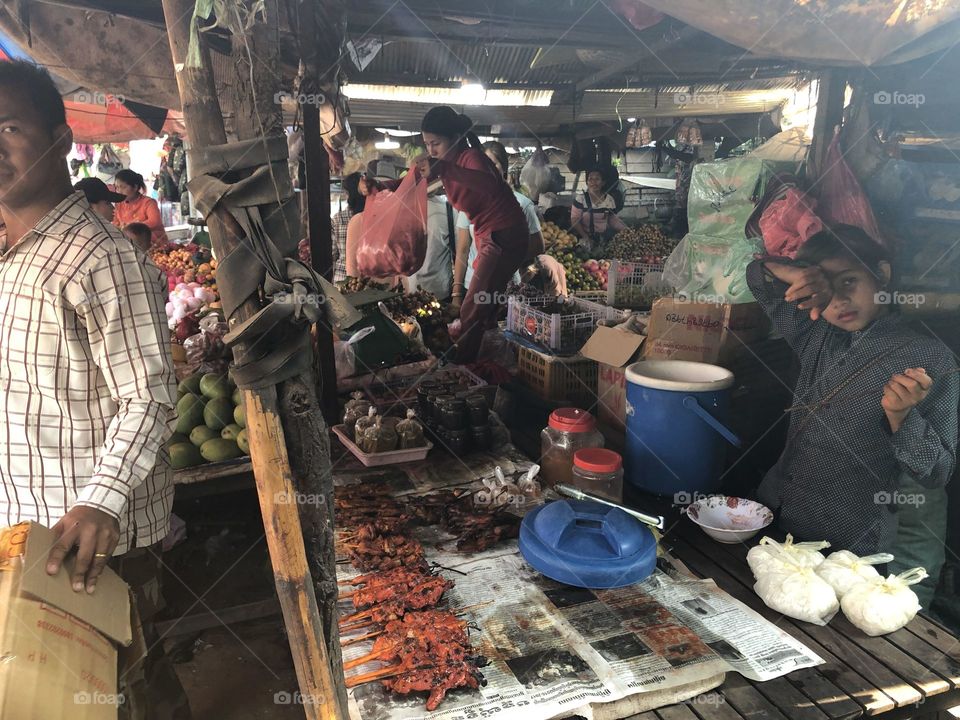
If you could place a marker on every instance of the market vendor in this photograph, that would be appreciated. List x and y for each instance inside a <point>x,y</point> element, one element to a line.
<point>874,420</point>
<point>593,216</point>
<point>137,206</point>
<point>89,337</point>
<point>466,247</point>
<point>100,197</point>
<point>474,186</point>
<point>548,274</point>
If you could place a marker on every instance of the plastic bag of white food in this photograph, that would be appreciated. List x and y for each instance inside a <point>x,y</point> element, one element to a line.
<point>766,555</point>
<point>844,570</point>
<point>798,592</point>
<point>536,176</point>
<point>883,605</point>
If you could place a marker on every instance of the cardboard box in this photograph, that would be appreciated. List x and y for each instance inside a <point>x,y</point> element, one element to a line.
<point>613,350</point>
<point>702,332</point>
<point>58,646</point>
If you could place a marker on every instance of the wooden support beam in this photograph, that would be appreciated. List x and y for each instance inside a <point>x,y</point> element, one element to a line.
<point>271,463</point>
<point>830,99</point>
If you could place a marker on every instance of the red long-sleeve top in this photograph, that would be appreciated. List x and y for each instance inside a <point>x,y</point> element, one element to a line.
<point>474,186</point>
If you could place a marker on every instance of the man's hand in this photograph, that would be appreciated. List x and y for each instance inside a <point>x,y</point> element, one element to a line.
<point>809,286</point>
<point>95,534</point>
<point>902,393</point>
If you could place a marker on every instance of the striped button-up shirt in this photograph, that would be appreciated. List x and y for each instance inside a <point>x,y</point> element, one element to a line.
<point>86,376</point>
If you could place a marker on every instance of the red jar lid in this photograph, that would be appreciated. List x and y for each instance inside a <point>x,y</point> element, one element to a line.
<point>572,420</point>
<point>597,460</point>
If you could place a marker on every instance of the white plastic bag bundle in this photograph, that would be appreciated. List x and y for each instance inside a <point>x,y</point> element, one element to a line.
<point>767,555</point>
<point>797,591</point>
<point>883,605</point>
<point>536,176</point>
<point>844,570</point>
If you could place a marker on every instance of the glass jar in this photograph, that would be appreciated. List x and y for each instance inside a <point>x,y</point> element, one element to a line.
<point>454,413</point>
<point>569,430</point>
<point>478,410</point>
<point>480,436</point>
<point>599,472</point>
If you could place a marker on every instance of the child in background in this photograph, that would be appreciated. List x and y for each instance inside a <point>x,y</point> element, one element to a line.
<point>875,406</point>
<point>139,234</point>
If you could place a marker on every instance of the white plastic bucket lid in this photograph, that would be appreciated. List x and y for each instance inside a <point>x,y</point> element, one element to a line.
<point>679,375</point>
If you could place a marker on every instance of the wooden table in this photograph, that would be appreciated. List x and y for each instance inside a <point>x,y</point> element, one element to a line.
<point>914,672</point>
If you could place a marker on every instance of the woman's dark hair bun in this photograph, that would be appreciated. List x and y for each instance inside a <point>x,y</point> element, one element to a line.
<point>445,121</point>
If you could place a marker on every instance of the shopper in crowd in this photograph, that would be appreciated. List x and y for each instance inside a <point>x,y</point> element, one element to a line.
<point>100,197</point>
<point>436,273</point>
<point>93,343</point>
<point>356,198</point>
<point>873,428</point>
<point>474,186</point>
<point>137,206</point>
<point>140,235</point>
<point>593,216</point>
<point>466,247</point>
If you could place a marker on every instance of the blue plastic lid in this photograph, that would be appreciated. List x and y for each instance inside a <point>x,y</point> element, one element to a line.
<point>586,544</point>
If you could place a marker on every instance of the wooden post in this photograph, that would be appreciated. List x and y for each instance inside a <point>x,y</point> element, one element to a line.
<point>321,687</point>
<point>830,97</point>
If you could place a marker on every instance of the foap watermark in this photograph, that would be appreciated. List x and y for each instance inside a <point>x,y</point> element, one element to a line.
<point>92,97</point>
<point>304,299</point>
<point>899,498</point>
<point>299,498</point>
<point>295,698</point>
<point>707,700</point>
<point>695,98</point>
<point>686,497</point>
<point>98,698</point>
<point>698,297</point>
<point>895,97</point>
<point>886,297</point>
<point>495,298</point>
<point>299,98</point>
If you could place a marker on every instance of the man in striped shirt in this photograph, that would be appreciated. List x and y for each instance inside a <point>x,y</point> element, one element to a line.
<point>86,379</point>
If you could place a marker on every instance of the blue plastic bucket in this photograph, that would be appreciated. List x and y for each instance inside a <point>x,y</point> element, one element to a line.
<point>676,426</point>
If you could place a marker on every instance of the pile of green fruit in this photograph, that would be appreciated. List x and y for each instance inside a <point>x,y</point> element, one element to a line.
<point>578,277</point>
<point>211,422</point>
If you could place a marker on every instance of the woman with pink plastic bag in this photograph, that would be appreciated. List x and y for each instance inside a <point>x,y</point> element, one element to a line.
<point>475,187</point>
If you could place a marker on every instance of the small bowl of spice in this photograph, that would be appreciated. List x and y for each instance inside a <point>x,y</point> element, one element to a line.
<point>729,519</point>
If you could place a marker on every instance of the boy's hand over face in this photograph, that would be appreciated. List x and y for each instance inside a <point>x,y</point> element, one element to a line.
<point>903,392</point>
<point>809,287</point>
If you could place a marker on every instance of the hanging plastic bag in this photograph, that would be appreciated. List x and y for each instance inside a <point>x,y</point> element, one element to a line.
<point>884,605</point>
<point>789,222</point>
<point>393,237</point>
<point>711,267</point>
<point>844,570</point>
<point>536,175</point>
<point>842,199</point>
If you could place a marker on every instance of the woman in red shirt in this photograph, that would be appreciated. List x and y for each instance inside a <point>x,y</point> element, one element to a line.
<point>137,207</point>
<point>475,187</point>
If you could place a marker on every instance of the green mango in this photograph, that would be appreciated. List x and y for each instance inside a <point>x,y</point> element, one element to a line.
<point>176,439</point>
<point>237,397</point>
<point>190,385</point>
<point>240,416</point>
<point>189,413</point>
<point>218,413</point>
<point>215,386</point>
<point>230,432</point>
<point>242,442</point>
<point>218,450</point>
<point>184,455</point>
<point>201,433</point>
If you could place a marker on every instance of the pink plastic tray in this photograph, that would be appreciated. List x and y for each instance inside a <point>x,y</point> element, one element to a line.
<point>384,458</point>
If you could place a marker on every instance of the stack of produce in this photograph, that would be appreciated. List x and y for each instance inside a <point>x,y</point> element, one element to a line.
<point>186,264</point>
<point>646,243</point>
<point>555,239</point>
<point>581,274</point>
<point>211,422</point>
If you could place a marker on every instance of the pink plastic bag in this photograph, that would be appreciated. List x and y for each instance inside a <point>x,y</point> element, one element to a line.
<point>789,222</point>
<point>393,239</point>
<point>842,200</point>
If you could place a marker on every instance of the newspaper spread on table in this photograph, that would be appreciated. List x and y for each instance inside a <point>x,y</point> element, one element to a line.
<point>554,650</point>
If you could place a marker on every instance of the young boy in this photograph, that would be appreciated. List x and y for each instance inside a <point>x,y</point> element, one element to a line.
<point>875,404</point>
<point>139,234</point>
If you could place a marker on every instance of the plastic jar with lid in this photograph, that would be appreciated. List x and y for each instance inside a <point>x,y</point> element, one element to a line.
<point>569,430</point>
<point>599,472</point>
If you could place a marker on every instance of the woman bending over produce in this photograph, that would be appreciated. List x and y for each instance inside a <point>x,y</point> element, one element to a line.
<point>474,186</point>
<point>874,418</point>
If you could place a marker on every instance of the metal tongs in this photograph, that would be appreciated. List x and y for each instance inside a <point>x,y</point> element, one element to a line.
<point>652,520</point>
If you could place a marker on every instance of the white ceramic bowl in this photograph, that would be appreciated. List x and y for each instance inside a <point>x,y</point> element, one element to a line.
<point>729,519</point>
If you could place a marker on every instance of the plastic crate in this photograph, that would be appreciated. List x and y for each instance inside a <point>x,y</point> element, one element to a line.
<point>559,379</point>
<point>629,283</point>
<point>553,332</point>
<point>596,296</point>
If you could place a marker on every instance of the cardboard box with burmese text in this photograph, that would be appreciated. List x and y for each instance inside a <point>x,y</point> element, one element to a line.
<point>59,648</point>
